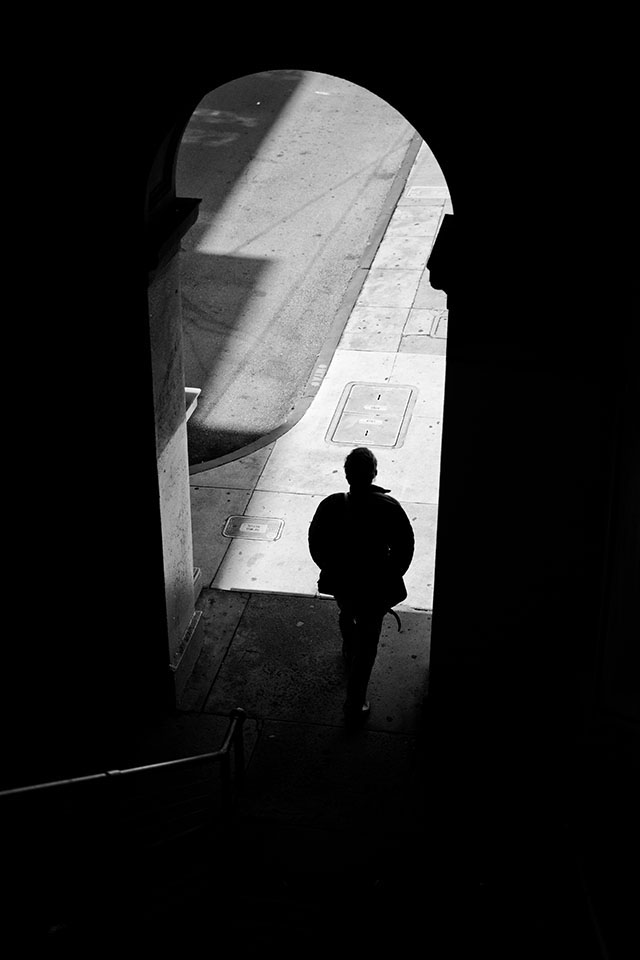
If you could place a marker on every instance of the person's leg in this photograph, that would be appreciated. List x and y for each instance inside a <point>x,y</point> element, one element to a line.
<point>348,629</point>
<point>365,649</point>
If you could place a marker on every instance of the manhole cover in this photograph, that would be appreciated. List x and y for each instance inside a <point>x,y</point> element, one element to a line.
<point>253,528</point>
<point>372,414</point>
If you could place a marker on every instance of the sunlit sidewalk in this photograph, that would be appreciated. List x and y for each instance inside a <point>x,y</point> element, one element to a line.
<point>251,516</point>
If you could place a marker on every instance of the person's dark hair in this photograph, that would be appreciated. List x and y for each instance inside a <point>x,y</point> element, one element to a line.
<point>360,467</point>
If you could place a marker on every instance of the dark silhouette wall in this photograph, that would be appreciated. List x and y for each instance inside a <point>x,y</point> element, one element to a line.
<point>533,695</point>
<point>538,459</point>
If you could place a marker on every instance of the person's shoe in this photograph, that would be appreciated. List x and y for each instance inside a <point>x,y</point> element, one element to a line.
<point>356,713</point>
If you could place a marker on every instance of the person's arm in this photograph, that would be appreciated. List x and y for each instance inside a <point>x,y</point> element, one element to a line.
<point>402,541</point>
<point>318,537</point>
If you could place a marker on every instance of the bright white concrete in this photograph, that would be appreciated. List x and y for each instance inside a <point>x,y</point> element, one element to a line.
<point>278,566</point>
<point>422,221</point>
<point>317,467</point>
<point>420,575</point>
<point>421,321</point>
<point>427,374</point>
<point>191,399</point>
<point>285,566</point>
<point>390,287</point>
<point>355,365</point>
<point>302,461</point>
<point>414,193</point>
<point>441,328</point>
<point>397,310</point>
<point>412,470</point>
<point>426,171</point>
<point>427,297</point>
<point>409,253</point>
<point>422,343</point>
<point>374,329</point>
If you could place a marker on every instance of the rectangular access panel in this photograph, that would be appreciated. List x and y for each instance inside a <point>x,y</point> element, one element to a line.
<point>253,528</point>
<point>372,414</point>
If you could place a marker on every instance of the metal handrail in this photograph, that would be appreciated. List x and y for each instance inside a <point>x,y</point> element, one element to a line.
<point>233,739</point>
<point>66,840</point>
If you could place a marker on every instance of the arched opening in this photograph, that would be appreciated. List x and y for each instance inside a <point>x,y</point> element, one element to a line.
<point>310,326</point>
<point>476,711</point>
<point>497,723</point>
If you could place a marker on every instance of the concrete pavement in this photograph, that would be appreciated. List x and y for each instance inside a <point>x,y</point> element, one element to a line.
<point>328,811</point>
<point>271,642</point>
<point>293,168</point>
<point>395,336</point>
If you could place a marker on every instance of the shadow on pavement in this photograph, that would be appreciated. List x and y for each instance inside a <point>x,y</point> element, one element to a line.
<point>223,137</point>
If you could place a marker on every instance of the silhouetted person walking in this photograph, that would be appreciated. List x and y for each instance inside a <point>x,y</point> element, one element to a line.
<point>363,543</point>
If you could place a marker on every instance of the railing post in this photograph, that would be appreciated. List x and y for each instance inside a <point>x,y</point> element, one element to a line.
<point>225,774</point>
<point>238,745</point>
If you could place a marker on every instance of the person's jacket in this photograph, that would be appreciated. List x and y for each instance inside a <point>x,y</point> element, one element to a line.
<point>363,543</point>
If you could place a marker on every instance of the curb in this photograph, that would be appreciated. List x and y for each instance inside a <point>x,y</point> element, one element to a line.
<point>343,313</point>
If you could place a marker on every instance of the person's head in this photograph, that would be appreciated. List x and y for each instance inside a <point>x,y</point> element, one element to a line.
<point>360,467</point>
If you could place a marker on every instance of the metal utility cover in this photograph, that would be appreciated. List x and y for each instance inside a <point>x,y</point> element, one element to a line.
<point>372,414</point>
<point>253,528</point>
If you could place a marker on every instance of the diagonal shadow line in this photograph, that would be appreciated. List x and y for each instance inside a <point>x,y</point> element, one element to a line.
<point>326,240</point>
<point>289,294</point>
<point>319,196</point>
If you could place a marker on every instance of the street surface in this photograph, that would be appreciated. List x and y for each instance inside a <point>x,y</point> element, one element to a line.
<point>251,515</point>
<point>293,169</point>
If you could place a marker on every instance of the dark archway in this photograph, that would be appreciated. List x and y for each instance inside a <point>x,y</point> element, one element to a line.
<point>492,353</point>
<point>537,420</point>
<point>541,428</point>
